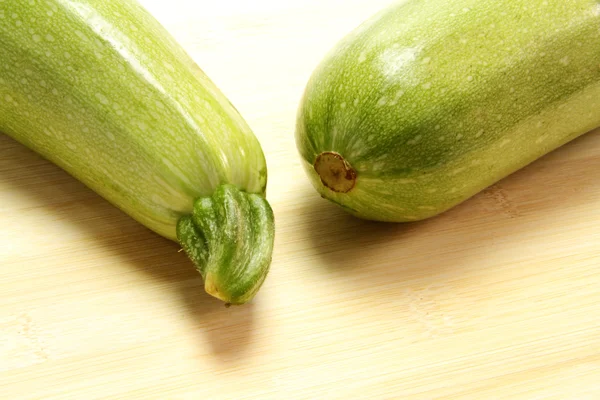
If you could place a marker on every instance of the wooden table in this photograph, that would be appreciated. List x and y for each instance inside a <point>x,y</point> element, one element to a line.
<point>497,298</point>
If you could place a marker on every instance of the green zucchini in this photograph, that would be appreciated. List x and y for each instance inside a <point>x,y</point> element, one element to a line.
<point>102,90</point>
<point>428,102</point>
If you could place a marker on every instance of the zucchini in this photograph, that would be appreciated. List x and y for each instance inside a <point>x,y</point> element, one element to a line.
<point>428,102</point>
<point>102,90</point>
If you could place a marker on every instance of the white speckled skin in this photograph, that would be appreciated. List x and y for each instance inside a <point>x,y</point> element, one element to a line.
<point>103,91</point>
<point>431,101</point>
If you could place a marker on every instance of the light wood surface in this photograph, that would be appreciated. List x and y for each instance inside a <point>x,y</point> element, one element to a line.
<point>497,299</point>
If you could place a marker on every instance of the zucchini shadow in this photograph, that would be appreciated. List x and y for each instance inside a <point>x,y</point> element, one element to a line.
<point>524,211</point>
<point>156,259</point>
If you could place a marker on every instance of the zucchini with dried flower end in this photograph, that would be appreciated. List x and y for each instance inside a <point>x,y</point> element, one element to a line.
<point>428,102</point>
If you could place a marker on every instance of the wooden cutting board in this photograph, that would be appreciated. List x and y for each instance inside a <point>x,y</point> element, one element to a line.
<point>497,298</point>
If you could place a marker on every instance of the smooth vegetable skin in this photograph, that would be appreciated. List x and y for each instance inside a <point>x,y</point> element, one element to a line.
<point>430,101</point>
<point>103,91</point>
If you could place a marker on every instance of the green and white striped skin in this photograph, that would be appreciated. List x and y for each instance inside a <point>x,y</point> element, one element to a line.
<point>430,101</point>
<point>103,91</point>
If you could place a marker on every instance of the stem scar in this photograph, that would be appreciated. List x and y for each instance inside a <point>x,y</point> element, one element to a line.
<point>335,172</point>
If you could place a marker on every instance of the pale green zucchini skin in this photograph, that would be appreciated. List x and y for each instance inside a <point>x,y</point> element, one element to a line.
<point>103,91</point>
<point>428,102</point>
